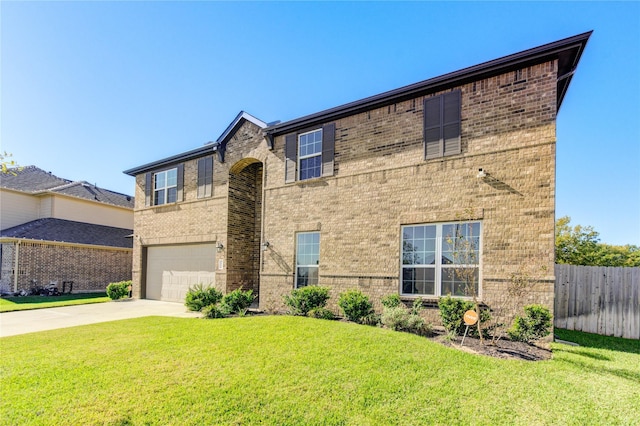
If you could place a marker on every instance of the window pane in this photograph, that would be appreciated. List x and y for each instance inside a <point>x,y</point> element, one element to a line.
<point>172,195</point>
<point>459,281</point>
<point>306,276</point>
<point>418,281</point>
<point>160,180</point>
<point>310,167</point>
<point>159,197</point>
<point>172,177</point>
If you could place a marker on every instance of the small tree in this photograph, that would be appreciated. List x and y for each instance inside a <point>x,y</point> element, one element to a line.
<point>464,245</point>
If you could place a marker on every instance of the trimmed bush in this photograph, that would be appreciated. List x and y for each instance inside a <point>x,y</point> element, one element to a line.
<point>199,296</point>
<point>302,300</point>
<point>391,301</point>
<point>399,318</point>
<point>355,305</point>
<point>118,290</point>
<point>452,312</point>
<point>238,301</point>
<point>215,311</point>
<point>534,325</point>
<point>321,313</point>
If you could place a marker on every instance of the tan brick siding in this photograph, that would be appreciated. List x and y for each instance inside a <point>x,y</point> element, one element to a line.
<point>382,182</point>
<point>90,269</point>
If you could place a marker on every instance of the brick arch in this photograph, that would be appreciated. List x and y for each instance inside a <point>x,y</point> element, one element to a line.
<point>239,166</point>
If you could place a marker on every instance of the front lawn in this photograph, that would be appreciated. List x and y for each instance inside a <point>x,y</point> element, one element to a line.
<point>9,304</point>
<point>283,370</point>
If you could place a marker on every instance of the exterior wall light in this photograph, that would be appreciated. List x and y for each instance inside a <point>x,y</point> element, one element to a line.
<point>219,247</point>
<point>265,245</point>
<point>481,173</point>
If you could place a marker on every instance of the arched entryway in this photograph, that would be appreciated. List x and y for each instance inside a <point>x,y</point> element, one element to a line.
<point>244,225</point>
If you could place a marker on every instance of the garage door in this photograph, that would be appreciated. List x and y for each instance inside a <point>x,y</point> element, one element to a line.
<point>172,269</point>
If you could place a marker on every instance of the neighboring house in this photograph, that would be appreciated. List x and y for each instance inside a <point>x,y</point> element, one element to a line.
<point>369,195</point>
<point>54,229</point>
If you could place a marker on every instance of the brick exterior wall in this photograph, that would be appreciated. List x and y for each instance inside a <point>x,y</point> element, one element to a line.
<point>90,268</point>
<point>381,182</point>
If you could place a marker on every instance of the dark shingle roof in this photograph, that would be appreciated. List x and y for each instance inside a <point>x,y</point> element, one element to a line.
<point>69,231</point>
<point>33,180</point>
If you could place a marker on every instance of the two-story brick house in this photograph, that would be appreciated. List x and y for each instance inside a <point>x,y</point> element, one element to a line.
<point>369,195</point>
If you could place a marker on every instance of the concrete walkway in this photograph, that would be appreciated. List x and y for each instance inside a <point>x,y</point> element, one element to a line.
<point>21,322</point>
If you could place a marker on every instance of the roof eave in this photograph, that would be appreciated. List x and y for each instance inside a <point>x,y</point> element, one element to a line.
<point>569,50</point>
<point>189,155</point>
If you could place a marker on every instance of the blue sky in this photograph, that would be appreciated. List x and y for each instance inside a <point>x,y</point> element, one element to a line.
<point>89,89</point>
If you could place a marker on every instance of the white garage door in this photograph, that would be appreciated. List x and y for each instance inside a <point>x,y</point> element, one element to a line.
<point>172,269</point>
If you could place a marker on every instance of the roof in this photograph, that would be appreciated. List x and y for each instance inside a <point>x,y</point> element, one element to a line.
<point>33,180</point>
<point>567,51</point>
<point>209,147</point>
<point>68,231</point>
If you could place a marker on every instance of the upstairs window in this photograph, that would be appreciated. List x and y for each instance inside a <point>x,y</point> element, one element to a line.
<point>309,154</point>
<point>441,259</point>
<point>442,125</point>
<point>307,258</point>
<point>165,187</point>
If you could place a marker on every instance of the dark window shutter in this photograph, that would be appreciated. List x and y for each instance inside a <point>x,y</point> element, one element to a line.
<point>432,127</point>
<point>290,153</point>
<point>148,188</point>
<point>205,177</point>
<point>328,147</point>
<point>201,166</point>
<point>451,123</point>
<point>180,183</point>
<point>442,125</point>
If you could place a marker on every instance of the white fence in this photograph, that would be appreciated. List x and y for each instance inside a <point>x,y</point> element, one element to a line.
<point>599,300</point>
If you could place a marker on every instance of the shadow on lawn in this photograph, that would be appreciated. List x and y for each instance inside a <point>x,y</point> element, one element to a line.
<point>596,341</point>
<point>601,369</point>
<point>21,300</point>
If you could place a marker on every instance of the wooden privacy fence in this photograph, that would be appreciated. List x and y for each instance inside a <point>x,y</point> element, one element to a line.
<point>598,299</point>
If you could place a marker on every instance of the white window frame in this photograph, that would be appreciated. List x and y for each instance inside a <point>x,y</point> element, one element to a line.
<point>439,265</point>
<point>161,178</point>
<point>299,255</point>
<point>308,156</point>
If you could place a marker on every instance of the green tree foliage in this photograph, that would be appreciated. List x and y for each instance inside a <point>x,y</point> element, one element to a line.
<point>580,245</point>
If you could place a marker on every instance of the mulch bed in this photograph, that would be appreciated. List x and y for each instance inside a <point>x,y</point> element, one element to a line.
<point>504,349</point>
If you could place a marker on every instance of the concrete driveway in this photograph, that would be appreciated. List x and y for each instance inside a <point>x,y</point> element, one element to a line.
<point>21,322</point>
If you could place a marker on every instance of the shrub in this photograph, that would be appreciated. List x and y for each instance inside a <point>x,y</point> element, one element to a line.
<point>215,311</point>
<point>395,318</point>
<point>199,296</point>
<point>534,325</point>
<point>355,305</point>
<point>304,299</point>
<point>391,301</point>
<point>399,318</point>
<point>321,313</point>
<point>118,290</point>
<point>238,301</point>
<point>452,312</point>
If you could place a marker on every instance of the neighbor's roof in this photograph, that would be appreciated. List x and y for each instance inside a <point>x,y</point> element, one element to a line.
<point>34,180</point>
<point>68,231</point>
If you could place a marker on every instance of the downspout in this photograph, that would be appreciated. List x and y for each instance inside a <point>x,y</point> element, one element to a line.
<point>264,192</point>
<point>15,267</point>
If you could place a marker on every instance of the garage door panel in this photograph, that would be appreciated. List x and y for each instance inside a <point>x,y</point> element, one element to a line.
<point>171,270</point>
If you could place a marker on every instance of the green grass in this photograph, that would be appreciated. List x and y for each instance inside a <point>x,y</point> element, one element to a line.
<point>9,304</point>
<point>283,370</point>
